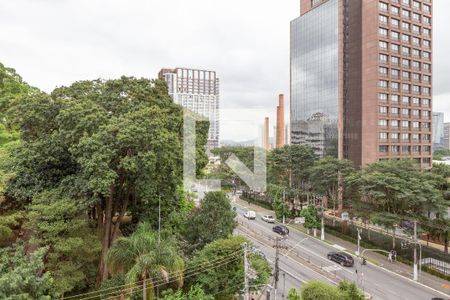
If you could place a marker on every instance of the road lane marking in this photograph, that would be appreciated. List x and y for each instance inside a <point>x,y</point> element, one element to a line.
<point>289,258</point>
<point>340,248</point>
<point>374,265</point>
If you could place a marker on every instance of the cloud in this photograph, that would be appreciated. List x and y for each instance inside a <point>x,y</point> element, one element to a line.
<point>56,42</point>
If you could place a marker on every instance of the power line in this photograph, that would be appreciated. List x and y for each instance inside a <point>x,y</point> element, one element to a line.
<point>170,274</point>
<point>218,260</point>
<point>162,282</point>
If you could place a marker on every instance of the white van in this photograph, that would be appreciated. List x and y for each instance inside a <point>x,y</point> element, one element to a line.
<point>251,215</point>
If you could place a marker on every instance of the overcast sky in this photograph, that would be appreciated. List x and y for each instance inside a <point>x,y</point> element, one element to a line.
<point>56,42</point>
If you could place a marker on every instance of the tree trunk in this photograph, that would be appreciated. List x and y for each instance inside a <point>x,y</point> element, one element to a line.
<point>106,239</point>
<point>315,232</point>
<point>334,212</point>
<point>144,289</point>
<point>446,244</point>
<point>340,193</point>
<point>98,208</point>
<point>393,238</point>
<point>119,219</point>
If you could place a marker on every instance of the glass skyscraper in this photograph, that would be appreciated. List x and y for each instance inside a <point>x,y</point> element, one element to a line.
<point>361,79</point>
<point>314,79</point>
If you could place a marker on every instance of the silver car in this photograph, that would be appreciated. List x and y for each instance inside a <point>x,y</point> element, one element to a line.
<point>268,218</point>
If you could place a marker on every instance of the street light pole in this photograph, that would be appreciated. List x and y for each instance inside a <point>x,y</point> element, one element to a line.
<point>245,273</point>
<point>359,239</point>
<point>415,275</point>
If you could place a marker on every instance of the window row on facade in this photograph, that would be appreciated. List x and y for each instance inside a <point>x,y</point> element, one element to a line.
<point>405,38</point>
<point>405,26</point>
<point>405,50</point>
<point>404,75</point>
<point>405,87</point>
<point>406,112</point>
<point>404,137</point>
<point>405,100</point>
<point>405,11</point>
<point>405,63</point>
<point>405,149</point>
<point>406,125</point>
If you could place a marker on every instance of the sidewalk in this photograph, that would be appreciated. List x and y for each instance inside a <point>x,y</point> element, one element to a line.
<point>383,231</point>
<point>375,258</point>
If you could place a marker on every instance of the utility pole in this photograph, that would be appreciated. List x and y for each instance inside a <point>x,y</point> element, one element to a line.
<point>284,285</point>
<point>245,273</point>
<point>415,276</point>
<point>277,268</point>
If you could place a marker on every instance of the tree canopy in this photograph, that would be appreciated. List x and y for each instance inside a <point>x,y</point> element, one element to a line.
<point>213,220</point>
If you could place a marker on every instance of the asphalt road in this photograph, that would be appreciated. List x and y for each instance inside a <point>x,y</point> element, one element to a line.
<point>376,281</point>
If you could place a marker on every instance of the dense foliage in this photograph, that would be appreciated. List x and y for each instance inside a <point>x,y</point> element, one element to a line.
<point>213,220</point>
<point>316,290</point>
<point>224,262</point>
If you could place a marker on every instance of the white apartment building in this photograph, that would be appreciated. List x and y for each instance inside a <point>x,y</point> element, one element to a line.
<point>198,91</point>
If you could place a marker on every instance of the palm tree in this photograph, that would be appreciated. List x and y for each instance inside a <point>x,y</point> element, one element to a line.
<point>143,258</point>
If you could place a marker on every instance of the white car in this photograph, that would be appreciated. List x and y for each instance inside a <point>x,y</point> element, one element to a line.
<point>251,215</point>
<point>268,218</point>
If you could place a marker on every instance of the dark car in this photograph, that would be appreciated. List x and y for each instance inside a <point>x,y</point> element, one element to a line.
<point>283,230</point>
<point>341,258</point>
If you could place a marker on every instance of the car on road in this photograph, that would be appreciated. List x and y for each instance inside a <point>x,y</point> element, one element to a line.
<point>251,215</point>
<point>282,230</point>
<point>268,219</point>
<point>342,258</point>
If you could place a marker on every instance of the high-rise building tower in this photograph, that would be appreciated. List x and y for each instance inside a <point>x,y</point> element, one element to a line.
<point>198,91</point>
<point>280,140</point>
<point>361,84</point>
<point>438,131</point>
<point>446,135</point>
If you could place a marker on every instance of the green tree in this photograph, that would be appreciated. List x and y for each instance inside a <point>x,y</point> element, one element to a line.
<point>327,178</point>
<point>350,291</point>
<point>58,223</point>
<point>223,172</point>
<point>316,290</point>
<point>22,276</point>
<point>114,146</point>
<point>213,220</point>
<point>12,87</point>
<point>400,190</point>
<point>311,218</point>
<point>277,194</point>
<point>290,166</point>
<point>439,228</point>
<point>194,293</point>
<point>293,295</point>
<point>222,268</point>
<point>144,258</point>
<point>439,154</point>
